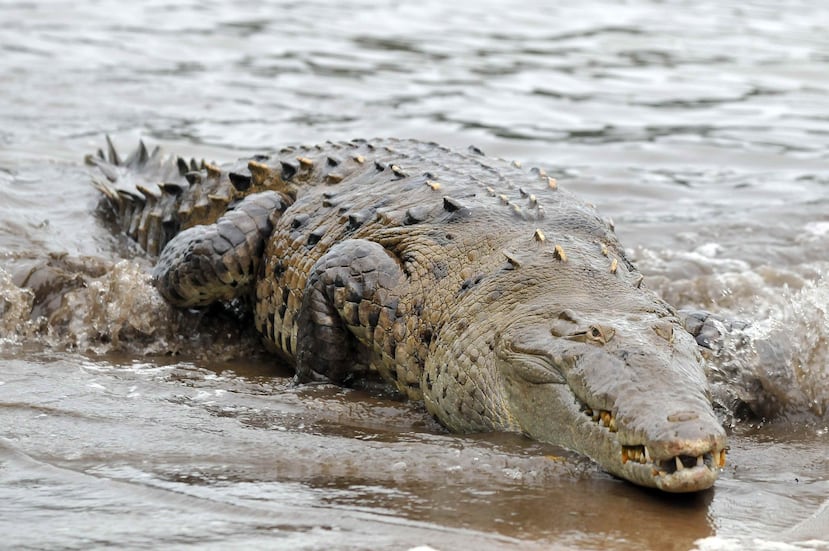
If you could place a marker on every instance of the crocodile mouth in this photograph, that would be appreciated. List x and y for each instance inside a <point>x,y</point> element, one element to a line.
<point>683,472</point>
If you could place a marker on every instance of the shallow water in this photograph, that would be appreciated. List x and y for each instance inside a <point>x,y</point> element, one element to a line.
<point>700,128</point>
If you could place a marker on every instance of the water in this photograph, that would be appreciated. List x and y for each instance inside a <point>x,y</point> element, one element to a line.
<point>701,128</point>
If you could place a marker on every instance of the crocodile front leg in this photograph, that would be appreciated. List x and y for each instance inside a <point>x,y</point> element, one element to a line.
<point>205,264</point>
<point>348,318</point>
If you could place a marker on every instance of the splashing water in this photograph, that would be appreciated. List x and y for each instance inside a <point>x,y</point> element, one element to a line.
<point>774,358</point>
<point>92,305</point>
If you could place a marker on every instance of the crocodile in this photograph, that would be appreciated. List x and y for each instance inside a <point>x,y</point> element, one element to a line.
<point>478,287</point>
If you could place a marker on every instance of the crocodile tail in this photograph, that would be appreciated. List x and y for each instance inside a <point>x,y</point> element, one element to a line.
<point>153,197</point>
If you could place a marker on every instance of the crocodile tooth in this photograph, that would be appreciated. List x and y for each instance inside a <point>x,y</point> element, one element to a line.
<point>647,455</point>
<point>551,183</point>
<point>700,461</point>
<point>193,178</point>
<point>679,465</point>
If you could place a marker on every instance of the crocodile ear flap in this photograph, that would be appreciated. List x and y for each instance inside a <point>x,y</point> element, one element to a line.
<point>531,354</point>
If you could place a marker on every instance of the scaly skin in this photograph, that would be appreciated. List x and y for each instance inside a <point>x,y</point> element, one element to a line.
<point>501,301</point>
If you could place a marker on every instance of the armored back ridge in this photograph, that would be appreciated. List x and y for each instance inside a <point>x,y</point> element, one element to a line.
<point>481,288</point>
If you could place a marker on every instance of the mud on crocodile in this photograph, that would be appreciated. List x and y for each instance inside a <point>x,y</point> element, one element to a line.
<point>501,301</point>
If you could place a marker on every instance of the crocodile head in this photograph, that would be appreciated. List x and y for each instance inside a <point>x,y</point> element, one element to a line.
<point>587,360</point>
<point>627,390</point>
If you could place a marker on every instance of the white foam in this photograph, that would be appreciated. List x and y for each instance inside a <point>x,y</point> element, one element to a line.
<point>720,543</point>
<point>817,229</point>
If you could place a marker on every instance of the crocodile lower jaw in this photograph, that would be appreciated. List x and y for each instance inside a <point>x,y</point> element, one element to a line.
<point>679,473</point>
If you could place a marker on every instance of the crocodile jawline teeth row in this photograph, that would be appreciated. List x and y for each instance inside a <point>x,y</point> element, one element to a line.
<point>640,454</point>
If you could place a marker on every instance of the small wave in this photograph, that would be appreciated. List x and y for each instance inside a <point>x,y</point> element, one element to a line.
<point>778,363</point>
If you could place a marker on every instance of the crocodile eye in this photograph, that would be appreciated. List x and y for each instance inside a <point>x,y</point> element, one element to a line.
<point>594,334</point>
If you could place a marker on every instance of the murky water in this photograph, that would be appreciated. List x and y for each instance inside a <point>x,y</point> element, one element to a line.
<point>700,127</point>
